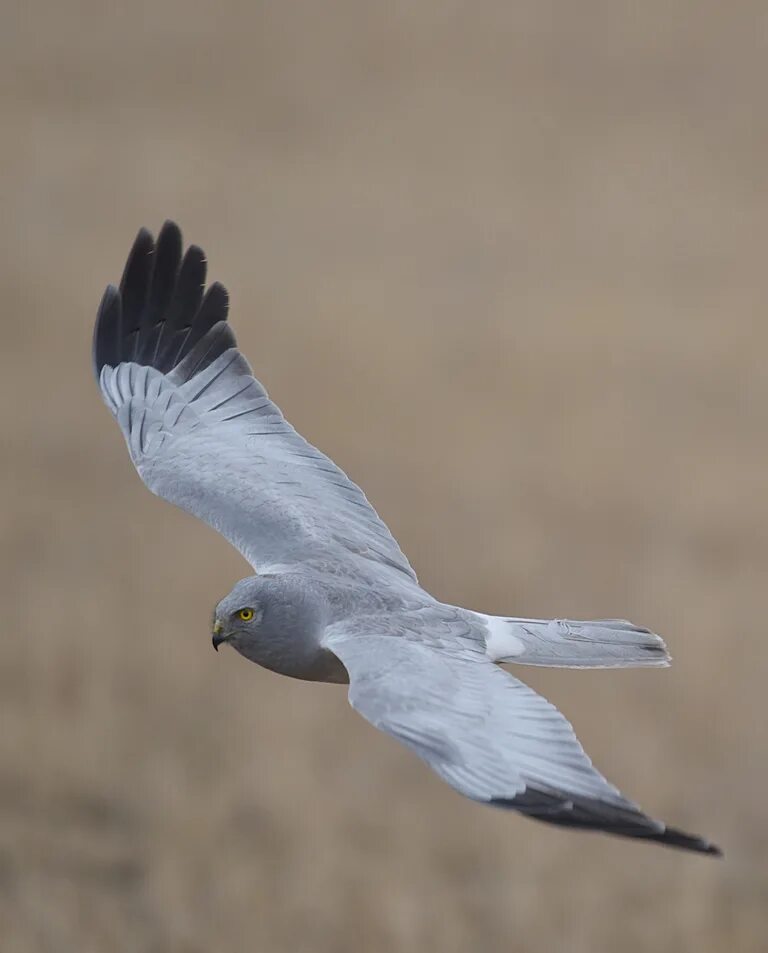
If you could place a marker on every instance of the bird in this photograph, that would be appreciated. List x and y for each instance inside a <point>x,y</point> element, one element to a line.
<point>332,598</point>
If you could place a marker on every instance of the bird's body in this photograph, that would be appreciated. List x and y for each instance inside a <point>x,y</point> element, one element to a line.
<point>334,599</point>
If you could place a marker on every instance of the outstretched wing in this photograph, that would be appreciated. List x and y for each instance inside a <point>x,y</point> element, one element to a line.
<point>487,734</point>
<point>203,433</point>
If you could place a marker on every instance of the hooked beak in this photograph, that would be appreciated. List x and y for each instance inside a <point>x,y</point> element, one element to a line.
<point>218,636</point>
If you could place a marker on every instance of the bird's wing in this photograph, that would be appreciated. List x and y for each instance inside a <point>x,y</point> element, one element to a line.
<point>202,431</point>
<point>487,734</point>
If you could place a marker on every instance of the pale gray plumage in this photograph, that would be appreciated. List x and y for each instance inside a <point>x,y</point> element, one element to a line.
<point>334,598</point>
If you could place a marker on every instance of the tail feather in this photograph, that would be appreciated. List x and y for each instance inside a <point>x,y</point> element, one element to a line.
<point>600,643</point>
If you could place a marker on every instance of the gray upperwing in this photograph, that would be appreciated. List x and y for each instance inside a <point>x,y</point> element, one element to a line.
<point>203,433</point>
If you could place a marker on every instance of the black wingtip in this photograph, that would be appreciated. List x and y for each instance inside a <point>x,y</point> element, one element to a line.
<point>170,227</point>
<point>159,312</point>
<point>106,330</point>
<point>583,813</point>
<point>136,264</point>
<point>675,838</point>
<point>170,243</point>
<point>144,241</point>
<point>134,288</point>
<point>215,306</point>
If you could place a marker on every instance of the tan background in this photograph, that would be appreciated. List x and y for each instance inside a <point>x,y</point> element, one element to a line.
<point>506,263</point>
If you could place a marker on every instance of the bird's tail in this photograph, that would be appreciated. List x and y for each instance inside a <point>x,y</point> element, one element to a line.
<point>601,643</point>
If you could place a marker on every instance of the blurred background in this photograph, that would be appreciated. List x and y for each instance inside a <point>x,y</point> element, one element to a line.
<point>506,263</point>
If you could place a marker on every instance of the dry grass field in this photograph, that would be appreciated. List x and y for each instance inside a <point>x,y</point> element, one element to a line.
<point>506,263</point>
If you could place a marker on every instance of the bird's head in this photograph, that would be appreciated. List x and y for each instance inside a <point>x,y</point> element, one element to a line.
<point>238,617</point>
<point>276,621</point>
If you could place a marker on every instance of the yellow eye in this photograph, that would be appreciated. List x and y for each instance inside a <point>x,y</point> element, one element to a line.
<point>246,614</point>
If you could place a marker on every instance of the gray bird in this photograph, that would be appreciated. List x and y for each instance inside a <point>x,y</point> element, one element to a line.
<point>333,598</point>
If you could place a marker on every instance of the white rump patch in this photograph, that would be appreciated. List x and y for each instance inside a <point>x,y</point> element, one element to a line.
<point>501,643</point>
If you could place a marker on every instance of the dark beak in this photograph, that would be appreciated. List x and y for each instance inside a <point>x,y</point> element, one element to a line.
<point>218,636</point>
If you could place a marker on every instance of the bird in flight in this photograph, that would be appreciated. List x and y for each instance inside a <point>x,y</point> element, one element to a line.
<point>332,597</point>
